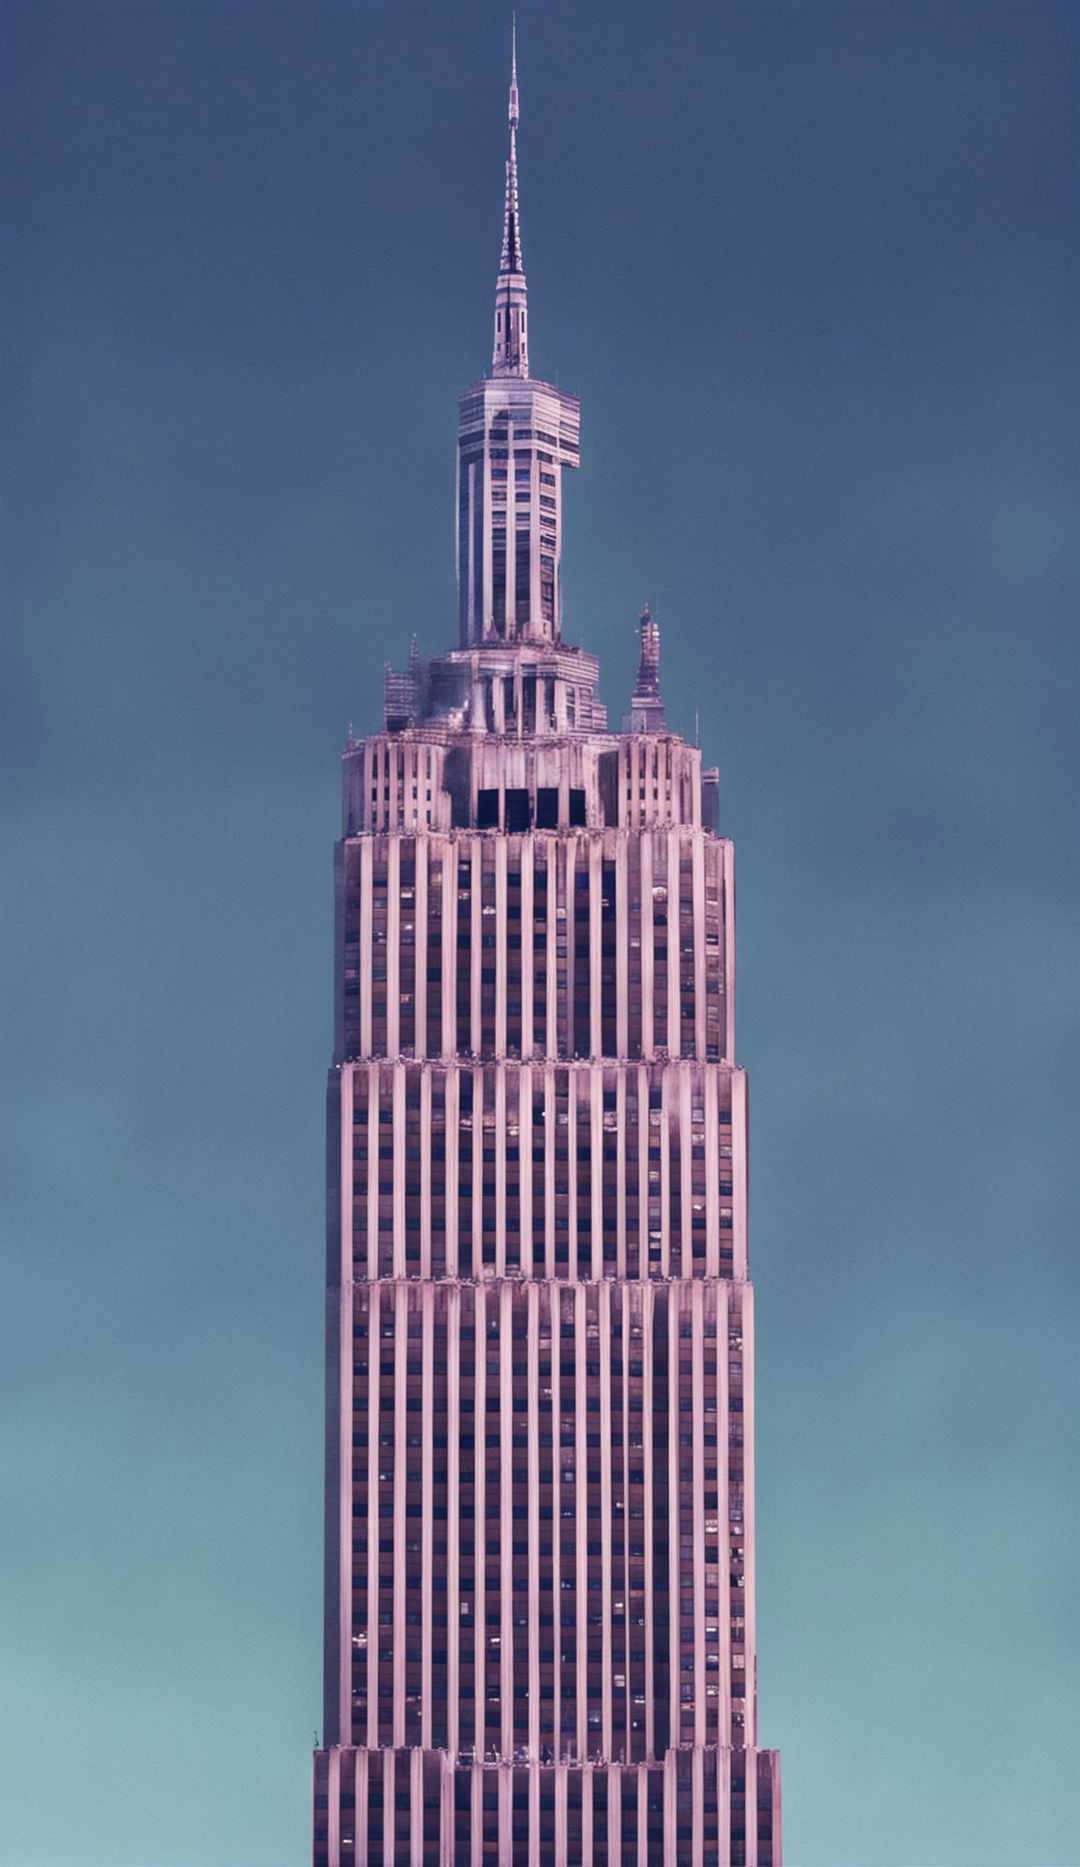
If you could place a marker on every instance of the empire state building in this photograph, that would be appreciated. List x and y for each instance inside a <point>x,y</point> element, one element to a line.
<point>540,1635</point>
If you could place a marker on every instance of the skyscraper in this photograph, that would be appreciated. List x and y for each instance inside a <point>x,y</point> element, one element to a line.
<point>540,1529</point>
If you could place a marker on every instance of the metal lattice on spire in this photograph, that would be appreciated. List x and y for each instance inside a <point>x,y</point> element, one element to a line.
<point>511,352</point>
<point>646,704</point>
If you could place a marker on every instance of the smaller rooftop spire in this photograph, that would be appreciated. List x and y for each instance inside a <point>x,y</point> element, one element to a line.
<point>511,352</point>
<point>646,704</point>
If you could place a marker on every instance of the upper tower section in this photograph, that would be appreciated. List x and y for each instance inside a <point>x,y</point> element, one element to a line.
<point>515,435</point>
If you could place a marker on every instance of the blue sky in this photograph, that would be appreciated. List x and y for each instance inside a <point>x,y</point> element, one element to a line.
<point>810,268</point>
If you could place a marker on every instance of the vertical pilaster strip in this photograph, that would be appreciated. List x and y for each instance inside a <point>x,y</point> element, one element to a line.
<point>427,1505</point>
<point>700,985</point>
<point>446,1812</point>
<point>662,1133</point>
<point>556,1512</point>
<point>712,1178</point>
<point>366,961</point>
<point>674,932</point>
<point>477,1232</point>
<point>506,1521</point>
<point>398,1134</point>
<point>697,1807</point>
<point>570,1270</point>
<point>393,944</point>
<point>723,1491</point>
<point>478,1307</point>
<point>425,1174</point>
<point>448,1044</point>
<point>648,1298</point>
<point>478,1814</point>
<point>453,1133</point>
<point>416,1808</point>
<point>528,954</point>
<point>747,1307</point>
<point>698,1391</point>
<point>389,1778</point>
<point>500,947</point>
<point>453,1511</point>
<point>675,1311</point>
<point>607,1340</point>
<point>526,1143</point>
<point>401,1331</point>
<point>550,1127</point>
<point>723,1803</point>
<point>683,1139</point>
<point>361,1803</point>
<point>560,1816</point>
<point>534,1815</point>
<point>727,947</point>
<point>560,909</point>
<point>476,858</point>
<point>588,1777</point>
<point>345,1357</point>
<point>621,1217</point>
<point>505,1779</point>
<point>739,1174</point>
<point>596,1190</point>
<point>626,1294</point>
<point>581,1520</point>
<point>333,1791</point>
<point>622,946</point>
<point>395,788</point>
<point>533,1453</point>
<point>375,1294</point>
<point>499,1137</point>
<point>648,1036</point>
<point>423,847</point>
<point>595,855</point>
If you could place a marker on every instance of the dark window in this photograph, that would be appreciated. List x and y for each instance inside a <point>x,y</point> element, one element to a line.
<point>518,813</point>
<point>487,810</point>
<point>547,808</point>
<point>577,807</point>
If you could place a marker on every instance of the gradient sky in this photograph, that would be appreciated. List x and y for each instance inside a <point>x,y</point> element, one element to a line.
<point>809,265</point>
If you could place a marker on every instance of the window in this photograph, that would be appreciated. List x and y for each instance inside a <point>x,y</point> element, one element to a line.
<point>518,811</point>
<point>547,808</point>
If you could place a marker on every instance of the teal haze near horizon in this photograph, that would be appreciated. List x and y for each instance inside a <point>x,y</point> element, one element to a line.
<point>808,267</point>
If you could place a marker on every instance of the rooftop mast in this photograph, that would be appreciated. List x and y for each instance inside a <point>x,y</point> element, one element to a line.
<point>511,352</point>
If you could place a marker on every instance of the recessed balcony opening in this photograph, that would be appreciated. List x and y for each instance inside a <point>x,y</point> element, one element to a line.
<point>547,808</point>
<point>518,811</point>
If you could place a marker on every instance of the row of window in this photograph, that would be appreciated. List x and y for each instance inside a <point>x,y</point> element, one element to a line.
<point>506,1169</point>
<point>576,1459</point>
<point>385,1811</point>
<point>615,960</point>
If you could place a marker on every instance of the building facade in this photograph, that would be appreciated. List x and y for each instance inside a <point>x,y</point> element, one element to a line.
<point>540,1526</point>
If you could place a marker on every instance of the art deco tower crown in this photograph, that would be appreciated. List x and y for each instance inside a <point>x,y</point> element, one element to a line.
<point>540,1620</point>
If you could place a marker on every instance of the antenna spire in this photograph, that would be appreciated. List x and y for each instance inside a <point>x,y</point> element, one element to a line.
<point>511,352</point>
<point>646,705</point>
